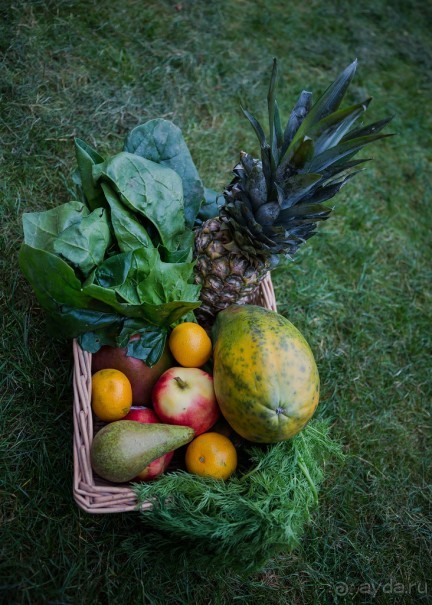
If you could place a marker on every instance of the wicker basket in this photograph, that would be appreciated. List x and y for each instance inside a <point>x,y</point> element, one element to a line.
<point>93,494</point>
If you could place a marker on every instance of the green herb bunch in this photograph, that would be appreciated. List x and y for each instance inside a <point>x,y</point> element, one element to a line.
<point>237,524</point>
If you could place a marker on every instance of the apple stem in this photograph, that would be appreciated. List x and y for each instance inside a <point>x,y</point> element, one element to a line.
<point>182,383</point>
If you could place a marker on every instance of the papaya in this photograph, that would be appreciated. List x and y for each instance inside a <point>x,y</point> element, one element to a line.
<point>265,377</point>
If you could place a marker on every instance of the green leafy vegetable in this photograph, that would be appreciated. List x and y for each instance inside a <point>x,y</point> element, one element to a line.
<point>58,290</point>
<point>117,263</point>
<point>93,341</point>
<point>210,206</point>
<point>162,142</point>
<point>86,159</point>
<point>41,229</point>
<point>84,243</point>
<point>129,232</point>
<point>151,344</point>
<point>261,511</point>
<point>151,191</point>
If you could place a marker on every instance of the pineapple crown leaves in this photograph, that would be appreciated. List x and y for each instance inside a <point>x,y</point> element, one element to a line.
<point>275,202</point>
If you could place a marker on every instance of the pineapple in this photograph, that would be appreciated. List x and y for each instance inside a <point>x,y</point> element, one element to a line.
<point>274,203</point>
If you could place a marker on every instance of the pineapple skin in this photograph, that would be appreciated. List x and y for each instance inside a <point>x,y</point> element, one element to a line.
<point>226,275</point>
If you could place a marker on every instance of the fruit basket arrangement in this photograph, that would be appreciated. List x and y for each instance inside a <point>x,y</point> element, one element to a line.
<point>146,254</point>
<point>92,493</point>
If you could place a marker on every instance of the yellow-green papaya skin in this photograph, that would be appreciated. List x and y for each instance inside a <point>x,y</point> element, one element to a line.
<point>265,376</point>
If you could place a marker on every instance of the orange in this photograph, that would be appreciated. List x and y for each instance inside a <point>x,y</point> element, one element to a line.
<point>190,345</point>
<point>111,394</point>
<point>211,455</point>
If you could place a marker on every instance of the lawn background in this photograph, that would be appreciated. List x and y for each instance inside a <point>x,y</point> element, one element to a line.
<point>359,291</point>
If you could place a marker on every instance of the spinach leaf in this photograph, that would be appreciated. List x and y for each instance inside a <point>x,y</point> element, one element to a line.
<point>112,298</point>
<point>84,243</point>
<point>210,207</point>
<point>165,293</point>
<point>129,232</point>
<point>83,320</point>
<point>93,341</point>
<point>114,271</point>
<point>148,347</point>
<point>41,229</point>
<point>123,271</point>
<point>180,248</point>
<point>151,190</point>
<point>70,231</point>
<point>161,314</point>
<point>167,282</point>
<point>162,142</point>
<point>58,290</point>
<point>53,280</point>
<point>86,159</point>
<point>140,285</point>
<point>165,314</point>
<point>74,308</point>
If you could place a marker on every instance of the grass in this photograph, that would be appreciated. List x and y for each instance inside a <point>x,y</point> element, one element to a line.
<point>359,291</point>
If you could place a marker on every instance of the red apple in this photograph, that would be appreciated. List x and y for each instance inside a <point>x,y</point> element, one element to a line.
<point>158,466</point>
<point>142,414</point>
<point>141,377</point>
<point>186,396</point>
<point>155,468</point>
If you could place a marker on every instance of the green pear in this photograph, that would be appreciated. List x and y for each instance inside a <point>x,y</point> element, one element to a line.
<point>123,448</point>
